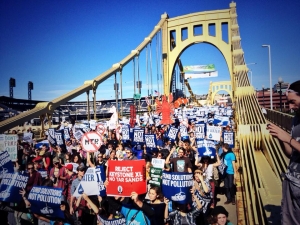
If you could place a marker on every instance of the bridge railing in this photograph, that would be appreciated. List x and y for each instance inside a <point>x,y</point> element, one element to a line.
<point>282,120</point>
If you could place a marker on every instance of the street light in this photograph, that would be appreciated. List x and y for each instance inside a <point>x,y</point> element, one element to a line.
<point>271,89</point>
<point>250,71</point>
<point>263,89</point>
<point>280,81</point>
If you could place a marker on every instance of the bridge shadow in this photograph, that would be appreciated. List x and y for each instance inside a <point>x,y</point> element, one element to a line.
<point>275,214</point>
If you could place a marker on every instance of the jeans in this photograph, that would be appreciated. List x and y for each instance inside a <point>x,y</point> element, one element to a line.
<point>229,187</point>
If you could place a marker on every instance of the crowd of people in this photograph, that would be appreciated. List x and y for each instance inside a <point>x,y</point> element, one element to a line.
<point>64,167</point>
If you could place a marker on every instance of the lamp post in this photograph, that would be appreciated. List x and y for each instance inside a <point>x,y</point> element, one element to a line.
<point>280,82</point>
<point>270,70</point>
<point>250,71</point>
<point>263,90</point>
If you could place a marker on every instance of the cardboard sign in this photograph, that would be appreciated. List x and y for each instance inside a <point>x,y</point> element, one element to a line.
<point>205,147</point>
<point>228,138</point>
<point>46,201</point>
<point>125,177</point>
<point>138,136</point>
<point>158,163</point>
<point>6,165</point>
<point>11,146</point>
<point>88,184</point>
<point>176,186</point>
<point>213,133</point>
<point>155,175</point>
<point>91,142</point>
<point>10,186</point>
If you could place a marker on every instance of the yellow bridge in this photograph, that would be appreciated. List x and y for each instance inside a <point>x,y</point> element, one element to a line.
<point>260,157</point>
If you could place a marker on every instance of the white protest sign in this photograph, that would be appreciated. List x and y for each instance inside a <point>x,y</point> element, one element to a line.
<point>78,134</point>
<point>27,137</point>
<point>213,133</point>
<point>158,163</point>
<point>2,136</point>
<point>11,146</point>
<point>93,124</point>
<point>88,184</point>
<point>91,141</point>
<point>100,129</point>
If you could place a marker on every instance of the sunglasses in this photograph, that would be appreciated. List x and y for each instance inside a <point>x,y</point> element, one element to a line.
<point>29,168</point>
<point>198,173</point>
<point>99,156</point>
<point>127,152</point>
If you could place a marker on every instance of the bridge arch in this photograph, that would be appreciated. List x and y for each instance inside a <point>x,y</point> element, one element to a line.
<point>190,23</point>
<point>216,87</point>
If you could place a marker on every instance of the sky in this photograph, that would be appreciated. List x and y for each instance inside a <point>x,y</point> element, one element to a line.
<point>60,44</point>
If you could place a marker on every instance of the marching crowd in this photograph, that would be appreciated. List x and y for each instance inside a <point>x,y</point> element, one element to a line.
<point>64,167</point>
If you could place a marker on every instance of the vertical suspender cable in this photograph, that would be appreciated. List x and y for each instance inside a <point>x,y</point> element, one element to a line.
<point>157,66</point>
<point>121,92</point>
<point>147,69</point>
<point>151,87</point>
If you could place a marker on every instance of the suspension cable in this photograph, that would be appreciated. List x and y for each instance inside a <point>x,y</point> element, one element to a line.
<point>151,87</point>
<point>147,69</point>
<point>157,65</point>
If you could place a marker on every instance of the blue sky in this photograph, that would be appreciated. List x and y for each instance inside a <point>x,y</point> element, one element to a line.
<point>59,44</point>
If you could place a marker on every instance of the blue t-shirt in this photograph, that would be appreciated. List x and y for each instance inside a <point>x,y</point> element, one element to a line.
<point>229,157</point>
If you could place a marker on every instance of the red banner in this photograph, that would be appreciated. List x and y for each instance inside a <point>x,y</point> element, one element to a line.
<point>125,177</point>
<point>132,116</point>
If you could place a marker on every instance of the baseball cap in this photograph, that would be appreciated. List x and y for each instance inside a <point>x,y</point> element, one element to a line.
<point>69,167</point>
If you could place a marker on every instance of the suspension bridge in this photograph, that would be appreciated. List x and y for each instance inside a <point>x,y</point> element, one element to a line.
<point>260,158</point>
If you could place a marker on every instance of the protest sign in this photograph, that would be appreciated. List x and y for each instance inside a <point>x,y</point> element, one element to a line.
<point>120,221</point>
<point>155,175</point>
<point>11,146</point>
<point>183,132</point>
<point>200,130</point>
<point>10,186</point>
<point>67,134</point>
<point>228,138</point>
<point>2,142</point>
<point>150,140</point>
<point>101,177</point>
<point>138,136</point>
<point>46,201</point>
<point>176,186</point>
<point>213,133</point>
<point>51,136</point>
<point>205,147</point>
<point>88,184</point>
<point>44,173</point>
<point>78,134</point>
<point>125,133</point>
<point>6,165</point>
<point>125,177</point>
<point>204,199</point>
<point>100,129</point>
<point>59,136</point>
<point>27,137</point>
<point>172,134</point>
<point>91,141</point>
<point>158,163</point>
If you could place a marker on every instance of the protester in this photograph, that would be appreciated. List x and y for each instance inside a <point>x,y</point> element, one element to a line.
<point>180,163</point>
<point>156,200</point>
<point>229,159</point>
<point>290,206</point>
<point>35,178</point>
<point>219,216</point>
